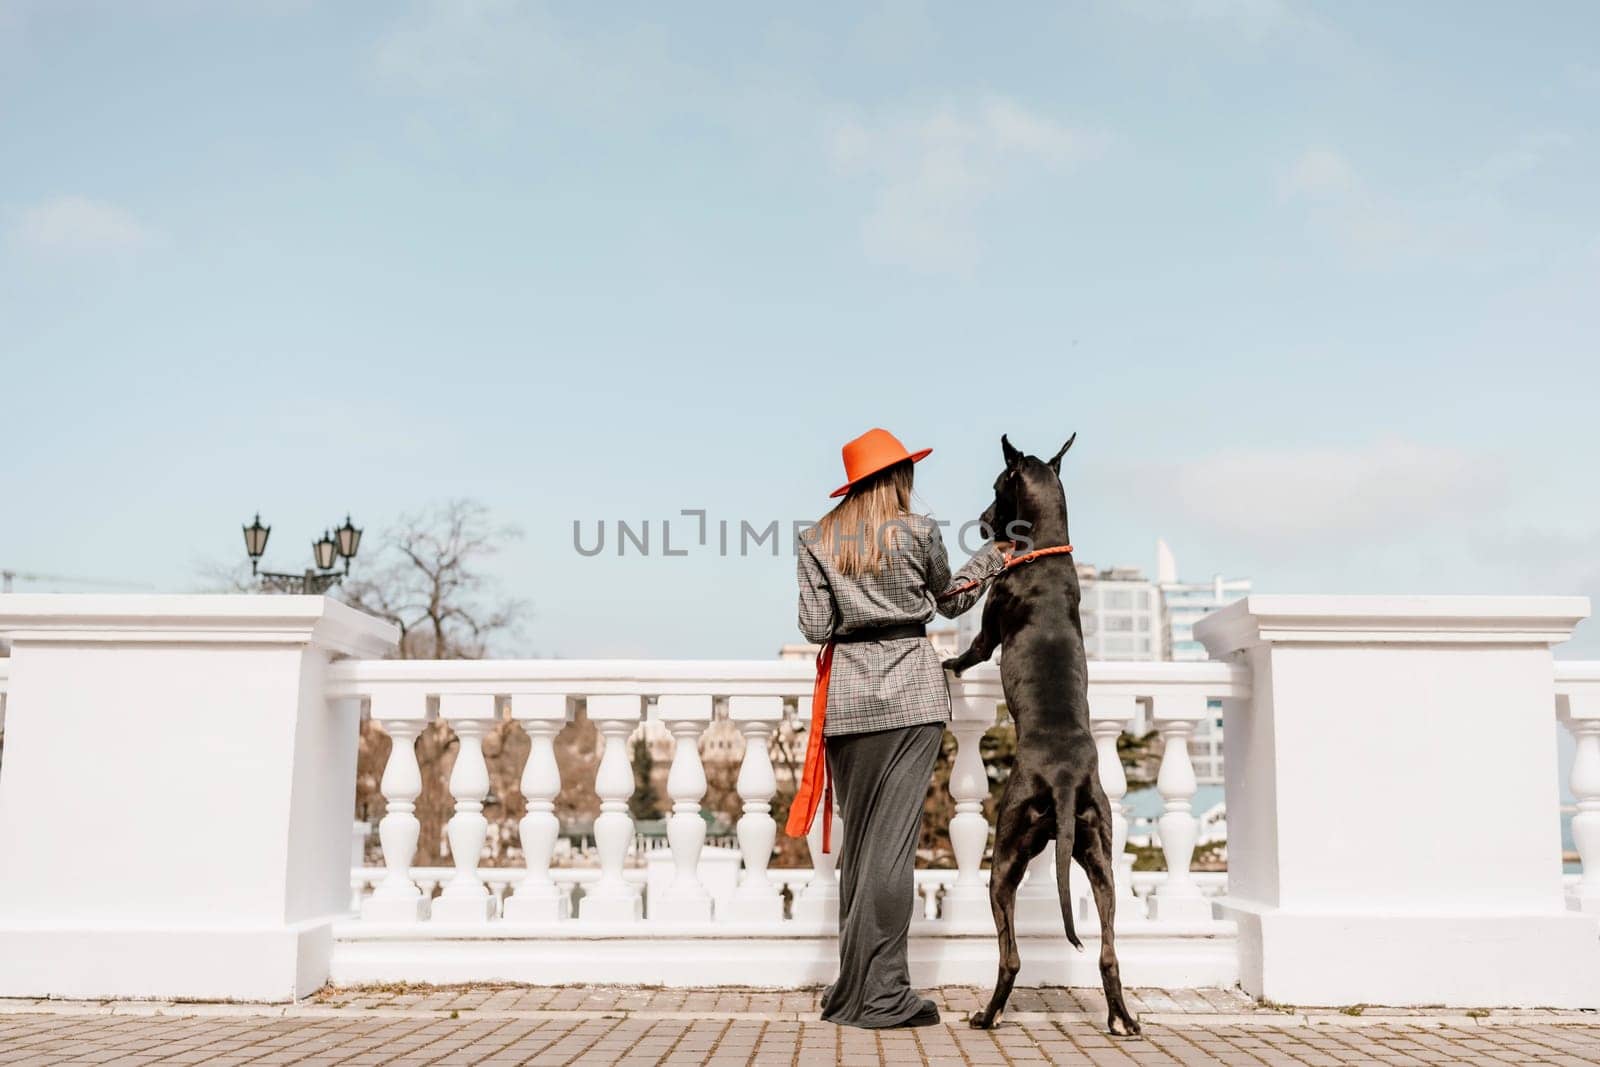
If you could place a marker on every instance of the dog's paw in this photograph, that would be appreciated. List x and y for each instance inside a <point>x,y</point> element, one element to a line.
<point>982,1020</point>
<point>1120,1024</point>
<point>953,665</point>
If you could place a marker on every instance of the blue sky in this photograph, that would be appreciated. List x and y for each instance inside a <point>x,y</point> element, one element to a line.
<point>1315,285</point>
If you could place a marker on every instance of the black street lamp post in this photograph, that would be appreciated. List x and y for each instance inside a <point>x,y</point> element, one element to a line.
<point>341,542</point>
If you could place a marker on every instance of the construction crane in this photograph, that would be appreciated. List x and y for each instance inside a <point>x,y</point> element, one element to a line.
<point>6,578</point>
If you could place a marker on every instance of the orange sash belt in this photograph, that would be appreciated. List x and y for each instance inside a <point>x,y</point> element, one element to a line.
<point>816,785</point>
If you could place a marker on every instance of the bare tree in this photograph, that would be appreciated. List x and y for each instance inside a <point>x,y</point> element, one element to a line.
<point>425,578</point>
<point>426,581</point>
<point>215,576</point>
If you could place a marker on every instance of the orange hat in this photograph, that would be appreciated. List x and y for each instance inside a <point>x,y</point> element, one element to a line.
<point>872,452</point>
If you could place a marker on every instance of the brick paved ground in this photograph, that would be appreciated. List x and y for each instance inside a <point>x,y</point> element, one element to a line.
<point>588,1025</point>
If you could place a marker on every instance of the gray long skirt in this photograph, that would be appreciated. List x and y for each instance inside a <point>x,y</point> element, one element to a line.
<point>880,780</point>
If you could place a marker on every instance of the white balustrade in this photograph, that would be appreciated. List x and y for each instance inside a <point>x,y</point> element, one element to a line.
<point>757,899</point>
<point>685,899</point>
<point>1579,709</point>
<point>402,714</point>
<point>612,898</point>
<point>966,902</point>
<point>1178,898</point>
<point>92,682</point>
<point>1109,715</point>
<point>818,899</point>
<point>537,897</point>
<point>465,897</point>
<point>1038,898</point>
<point>685,888</point>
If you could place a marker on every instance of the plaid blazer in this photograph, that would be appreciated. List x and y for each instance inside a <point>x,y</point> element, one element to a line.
<point>880,685</point>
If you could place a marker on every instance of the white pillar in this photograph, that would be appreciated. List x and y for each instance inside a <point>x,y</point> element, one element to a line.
<point>1177,898</point>
<point>1580,710</point>
<point>611,898</point>
<point>1109,716</point>
<point>685,899</point>
<point>537,897</point>
<point>966,902</point>
<point>402,713</point>
<point>818,900</point>
<point>1365,709</point>
<point>465,898</point>
<point>152,708</point>
<point>758,898</point>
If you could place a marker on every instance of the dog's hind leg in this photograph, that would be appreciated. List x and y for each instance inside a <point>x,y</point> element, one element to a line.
<point>1022,829</point>
<point>1093,852</point>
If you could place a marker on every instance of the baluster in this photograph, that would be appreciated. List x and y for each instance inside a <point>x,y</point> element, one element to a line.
<point>966,902</point>
<point>465,897</point>
<point>537,898</point>
<point>1178,898</point>
<point>397,898</point>
<point>1581,712</point>
<point>818,899</point>
<point>1038,901</point>
<point>685,899</point>
<point>1109,716</point>
<point>758,898</point>
<point>610,898</point>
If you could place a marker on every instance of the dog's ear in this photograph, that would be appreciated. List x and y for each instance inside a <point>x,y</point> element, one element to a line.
<point>1011,454</point>
<point>1055,460</point>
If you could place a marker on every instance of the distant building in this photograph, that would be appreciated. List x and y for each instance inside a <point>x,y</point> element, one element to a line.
<point>1122,614</point>
<point>1187,603</point>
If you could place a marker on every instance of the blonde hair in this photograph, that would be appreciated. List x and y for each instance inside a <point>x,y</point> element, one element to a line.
<point>867,522</point>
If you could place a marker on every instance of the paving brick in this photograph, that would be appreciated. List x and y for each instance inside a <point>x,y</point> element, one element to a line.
<point>580,1026</point>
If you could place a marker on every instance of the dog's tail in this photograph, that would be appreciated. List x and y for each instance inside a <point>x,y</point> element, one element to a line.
<point>1064,833</point>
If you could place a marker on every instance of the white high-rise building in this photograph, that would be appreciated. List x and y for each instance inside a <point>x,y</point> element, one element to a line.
<point>1122,614</point>
<point>1187,603</point>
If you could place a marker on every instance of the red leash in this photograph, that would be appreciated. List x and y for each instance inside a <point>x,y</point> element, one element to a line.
<point>1011,561</point>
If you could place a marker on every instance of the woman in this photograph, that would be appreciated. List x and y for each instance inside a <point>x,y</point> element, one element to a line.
<point>871,575</point>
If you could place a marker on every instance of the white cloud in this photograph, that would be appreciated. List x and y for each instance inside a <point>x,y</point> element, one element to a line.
<point>69,226</point>
<point>1465,216</point>
<point>930,173</point>
<point>1320,173</point>
<point>1341,205</point>
<point>1584,77</point>
<point>1527,155</point>
<point>1307,498</point>
<point>1250,22</point>
<point>493,56</point>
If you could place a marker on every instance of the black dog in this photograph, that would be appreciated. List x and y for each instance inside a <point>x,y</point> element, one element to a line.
<point>1054,790</point>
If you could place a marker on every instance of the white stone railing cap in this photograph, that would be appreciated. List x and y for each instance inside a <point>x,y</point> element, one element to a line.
<point>1398,620</point>
<point>241,619</point>
<point>1578,690</point>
